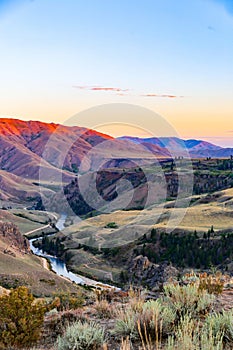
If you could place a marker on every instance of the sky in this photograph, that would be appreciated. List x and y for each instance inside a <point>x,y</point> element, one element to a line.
<point>58,58</point>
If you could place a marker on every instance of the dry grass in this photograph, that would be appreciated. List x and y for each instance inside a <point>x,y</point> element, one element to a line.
<point>27,222</point>
<point>200,217</point>
<point>28,270</point>
<point>104,309</point>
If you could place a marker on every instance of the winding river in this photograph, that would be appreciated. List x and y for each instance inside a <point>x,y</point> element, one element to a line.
<point>58,266</point>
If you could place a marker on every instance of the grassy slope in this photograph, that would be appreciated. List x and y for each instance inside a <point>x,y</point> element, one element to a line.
<point>216,210</point>
<point>27,269</point>
<point>199,216</point>
<point>25,220</point>
<point>14,187</point>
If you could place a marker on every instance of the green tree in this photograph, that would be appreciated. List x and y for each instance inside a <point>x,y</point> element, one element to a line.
<point>153,235</point>
<point>21,319</point>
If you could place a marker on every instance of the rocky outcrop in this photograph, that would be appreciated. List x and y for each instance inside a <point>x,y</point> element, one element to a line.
<point>144,272</point>
<point>13,240</point>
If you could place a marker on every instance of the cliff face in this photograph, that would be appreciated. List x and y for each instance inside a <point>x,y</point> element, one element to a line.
<point>13,240</point>
<point>142,271</point>
<point>110,184</point>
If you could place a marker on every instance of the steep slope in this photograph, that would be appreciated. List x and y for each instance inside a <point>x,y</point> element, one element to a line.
<point>13,187</point>
<point>109,190</point>
<point>24,143</point>
<point>20,267</point>
<point>27,146</point>
<point>15,242</point>
<point>49,153</point>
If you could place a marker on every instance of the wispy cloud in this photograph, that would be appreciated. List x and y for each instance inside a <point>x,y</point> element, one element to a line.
<point>161,95</point>
<point>108,89</point>
<point>122,92</point>
<point>100,88</point>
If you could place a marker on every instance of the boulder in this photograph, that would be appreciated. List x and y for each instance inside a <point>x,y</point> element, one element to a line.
<point>154,276</point>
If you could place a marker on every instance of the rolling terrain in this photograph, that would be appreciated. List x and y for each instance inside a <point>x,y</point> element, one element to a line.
<point>107,190</point>
<point>33,153</point>
<point>128,187</point>
<point>110,242</point>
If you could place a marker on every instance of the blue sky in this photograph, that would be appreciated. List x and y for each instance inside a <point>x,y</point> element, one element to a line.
<point>228,4</point>
<point>174,57</point>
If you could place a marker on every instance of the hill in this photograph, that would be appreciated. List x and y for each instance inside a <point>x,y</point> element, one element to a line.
<point>23,143</point>
<point>14,187</point>
<point>20,267</point>
<point>196,148</point>
<point>138,187</point>
<point>33,150</point>
<point>36,157</point>
<point>111,242</point>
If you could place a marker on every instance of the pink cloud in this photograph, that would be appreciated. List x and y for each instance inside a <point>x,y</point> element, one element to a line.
<point>163,95</point>
<point>101,88</point>
<point>121,92</point>
<point>108,89</point>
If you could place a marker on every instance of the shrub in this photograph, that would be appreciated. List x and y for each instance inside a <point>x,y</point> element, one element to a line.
<point>187,299</point>
<point>126,324</point>
<point>82,336</point>
<point>149,323</point>
<point>221,323</point>
<point>104,309</point>
<point>136,299</point>
<point>212,283</point>
<point>190,336</point>
<point>136,304</point>
<point>69,301</point>
<point>111,225</point>
<point>21,318</point>
<point>154,320</point>
<point>55,323</point>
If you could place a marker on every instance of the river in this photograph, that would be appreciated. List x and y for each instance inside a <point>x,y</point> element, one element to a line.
<point>58,266</point>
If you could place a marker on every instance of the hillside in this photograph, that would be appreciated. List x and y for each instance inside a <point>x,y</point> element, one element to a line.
<point>140,187</point>
<point>19,267</point>
<point>109,243</point>
<point>24,143</point>
<point>14,187</point>
<point>13,239</point>
<point>33,153</point>
<point>53,153</point>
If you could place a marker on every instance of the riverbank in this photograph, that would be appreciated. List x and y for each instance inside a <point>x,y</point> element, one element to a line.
<point>85,280</point>
<point>59,267</point>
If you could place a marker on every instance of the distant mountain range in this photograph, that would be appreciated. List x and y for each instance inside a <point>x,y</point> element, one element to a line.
<point>196,148</point>
<point>24,150</point>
